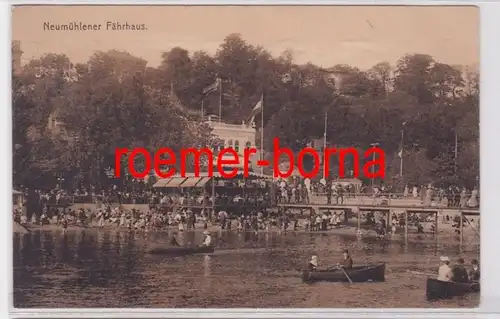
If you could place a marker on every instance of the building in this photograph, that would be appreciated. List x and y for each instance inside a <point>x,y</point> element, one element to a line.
<point>235,136</point>
<point>16,57</point>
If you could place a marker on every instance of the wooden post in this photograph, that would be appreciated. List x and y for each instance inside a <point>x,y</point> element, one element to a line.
<point>388,221</point>
<point>406,227</point>
<point>436,228</point>
<point>211,213</point>
<point>359,219</point>
<point>461,229</point>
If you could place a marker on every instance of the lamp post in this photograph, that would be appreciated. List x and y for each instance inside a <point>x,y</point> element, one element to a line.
<point>373,145</point>
<point>325,173</point>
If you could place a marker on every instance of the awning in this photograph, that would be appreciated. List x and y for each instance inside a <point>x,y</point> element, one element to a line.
<point>162,182</point>
<point>175,182</point>
<point>191,181</point>
<point>230,158</point>
<point>203,181</point>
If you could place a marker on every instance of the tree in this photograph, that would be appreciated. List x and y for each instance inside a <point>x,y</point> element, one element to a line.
<point>116,100</point>
<point>413,76</point>
<point>382,73</point>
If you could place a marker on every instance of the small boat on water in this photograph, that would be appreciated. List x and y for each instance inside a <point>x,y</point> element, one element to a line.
<point>181,251</point>
<point>367,273</point>
<point>437,289</point>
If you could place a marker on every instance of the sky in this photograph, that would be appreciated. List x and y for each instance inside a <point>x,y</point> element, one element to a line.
<point>360,36</point>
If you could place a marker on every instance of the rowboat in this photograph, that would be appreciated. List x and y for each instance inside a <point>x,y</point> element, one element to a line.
<point>437,289</point>
<point>181,251</point>
<point>372,273</point>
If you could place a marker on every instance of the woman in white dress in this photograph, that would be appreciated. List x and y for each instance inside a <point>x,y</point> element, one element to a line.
<point>473,198</point>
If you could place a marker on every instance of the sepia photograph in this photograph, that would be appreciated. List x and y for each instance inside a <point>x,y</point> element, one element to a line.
<point>245,156</point>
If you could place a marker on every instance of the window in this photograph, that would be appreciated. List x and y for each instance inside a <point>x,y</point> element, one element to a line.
<point>237,146</point>
<point>248,145</point>
<point>230,144</point>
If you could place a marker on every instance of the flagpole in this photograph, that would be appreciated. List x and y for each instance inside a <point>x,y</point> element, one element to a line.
<point>401,156</point>
<point>456,150</point>
<point>262,131</point>
<point>324,144</point>
<point>401,150</point>
<point>220,100</point>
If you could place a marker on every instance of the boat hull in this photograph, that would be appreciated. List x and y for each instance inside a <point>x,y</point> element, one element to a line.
<point>181,251</point>
<point>369,273</point>
<point>437,290</point>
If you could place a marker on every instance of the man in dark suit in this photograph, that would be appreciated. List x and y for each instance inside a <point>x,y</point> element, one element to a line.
<point>346,260</point>
<point>459,272</point>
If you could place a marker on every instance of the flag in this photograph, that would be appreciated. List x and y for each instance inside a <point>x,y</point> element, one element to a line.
<point>212,87</point>
<point>400,154</point>
<point>258,106</point>
<point>256,109</point>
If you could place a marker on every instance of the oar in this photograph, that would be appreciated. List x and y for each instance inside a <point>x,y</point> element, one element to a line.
<point>343,270</point>
<point>345,273</point>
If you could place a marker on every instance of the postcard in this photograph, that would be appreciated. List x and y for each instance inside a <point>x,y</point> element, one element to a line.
<point>245,156</point>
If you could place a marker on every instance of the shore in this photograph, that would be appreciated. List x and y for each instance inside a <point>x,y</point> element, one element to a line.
<point>445,230</point>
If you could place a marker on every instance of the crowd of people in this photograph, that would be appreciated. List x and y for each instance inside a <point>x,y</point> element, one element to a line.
<point>171,208</point>
<point>300,190</point>
<point>162,218</point>
<point>151,196</point>
<point>454,196</point>
<point>293,190</point>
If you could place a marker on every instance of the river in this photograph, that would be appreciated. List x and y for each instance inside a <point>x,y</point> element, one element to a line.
<point>111,269</point>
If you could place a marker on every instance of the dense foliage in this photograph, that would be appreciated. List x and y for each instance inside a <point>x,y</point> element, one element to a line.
<point>116,100</point>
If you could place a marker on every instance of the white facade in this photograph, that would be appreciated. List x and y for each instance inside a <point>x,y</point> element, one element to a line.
<point>237,137</point>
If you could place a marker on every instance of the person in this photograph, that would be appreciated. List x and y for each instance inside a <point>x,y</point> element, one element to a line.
<point>174,242</point>
<point>445,273</point>
<point>474,273</point>
<point>346,260</point>
<point>459,272</point>
<point>208,239</point>
<point>313,263</point>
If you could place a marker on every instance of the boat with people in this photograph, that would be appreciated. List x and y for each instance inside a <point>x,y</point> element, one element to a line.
<point>176,250</point>
<point>438,289</point>
<point>453,281</point>
<point>366,273</point>
<point>181,251</point>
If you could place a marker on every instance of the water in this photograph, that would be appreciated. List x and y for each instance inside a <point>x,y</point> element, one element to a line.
<point>111,269</point>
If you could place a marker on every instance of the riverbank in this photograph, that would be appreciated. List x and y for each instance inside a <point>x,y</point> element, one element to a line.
<point>445,231</point>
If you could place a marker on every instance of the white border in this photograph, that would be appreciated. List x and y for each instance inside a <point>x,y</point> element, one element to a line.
<point>490,175</point>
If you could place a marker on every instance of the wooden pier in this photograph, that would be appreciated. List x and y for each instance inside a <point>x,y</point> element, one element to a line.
<point>387,211</point>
